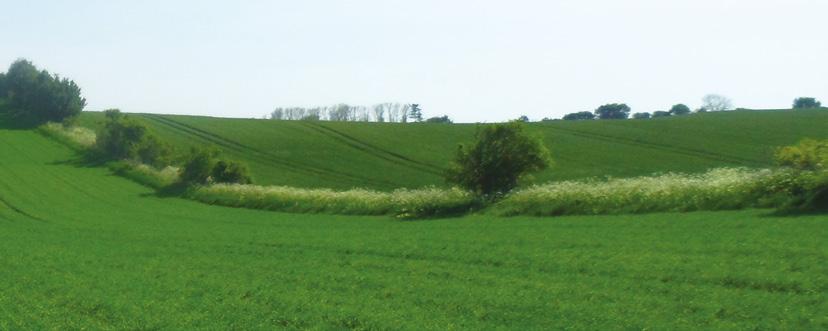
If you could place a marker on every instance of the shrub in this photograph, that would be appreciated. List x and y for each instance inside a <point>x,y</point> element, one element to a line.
<point>37,96</point>
<point>809,161</point>
<point>806,103</point>
<point>501,155</point>
<point>613,111</point>
<point>198,165</point>
<point>584,115</point>
<point>439,119</point>
<point>230,172</point>
<point>641,116</point>
<point>122,138</point>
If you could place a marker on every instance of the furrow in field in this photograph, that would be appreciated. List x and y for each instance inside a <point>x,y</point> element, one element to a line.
<point>373,150</point>
<point>262,156</point>
<point>664,147</point>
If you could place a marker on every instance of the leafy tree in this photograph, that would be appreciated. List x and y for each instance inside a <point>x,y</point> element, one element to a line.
<point>501,155</point>
<point>230,172</point>
<point>2,85</point>
<point>680,109</point>
<point>661,113</point>
<point>641,116</point>
<point>439,119</point>
<point>124,138</point>
<point>613,111</point>
<point>715,102</point>
<point>38,96</point>
<point>415,112</point>
<point>584,115</point>
<point>805,103</point>
<point>523,118</point>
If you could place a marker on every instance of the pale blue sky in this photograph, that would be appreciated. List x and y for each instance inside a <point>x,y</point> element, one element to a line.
<point>472,60</point>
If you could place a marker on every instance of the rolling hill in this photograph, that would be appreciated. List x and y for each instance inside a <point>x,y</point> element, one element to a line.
<point>83,249</point>
<point>389,155</point>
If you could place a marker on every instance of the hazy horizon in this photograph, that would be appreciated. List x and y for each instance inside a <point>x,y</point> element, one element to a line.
<point>475,61</point>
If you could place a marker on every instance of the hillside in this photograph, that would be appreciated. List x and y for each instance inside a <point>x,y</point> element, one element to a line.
<point>390,155</point>
<point>83,249</point>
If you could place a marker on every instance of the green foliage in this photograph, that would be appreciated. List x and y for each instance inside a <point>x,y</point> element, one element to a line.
<point>401,203</point>
<point>439,119</point>
<point>123,138</point>
<point>718,189</point>
<point>680,109</point>
<point>809,190</point>
<point>501,155</point>
<point>37,96</point>
<point>203,166</point>
<point>231,172</point>
<point>613,111</point>
<point>806,103</point>
<point>584,115</point>
<point>415,113</point>
<point>198,166</point>
<point>661,113</point>
<point>641,116</point>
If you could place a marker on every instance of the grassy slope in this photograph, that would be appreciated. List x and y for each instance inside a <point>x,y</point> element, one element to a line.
<point>80,248</point>
<point>387,156</point>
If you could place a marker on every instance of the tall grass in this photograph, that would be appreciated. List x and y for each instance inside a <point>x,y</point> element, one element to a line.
<point>402,203</point>
<point>79,138</point>
<point>717,189</point>
<point>145,174</point>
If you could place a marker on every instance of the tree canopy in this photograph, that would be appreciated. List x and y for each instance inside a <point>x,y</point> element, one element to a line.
<point>613,111</point>
<point>37,96</point>
<point>805,103</point>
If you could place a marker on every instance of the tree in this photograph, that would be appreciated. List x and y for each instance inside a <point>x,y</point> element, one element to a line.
<point>198,166</point>
<point>641,116</point>
<point>680,109</point>
<point>230,172</point>
<point>379,112</point>
<point>523,118</point>
<point>439,119</point>
<point>584,115</point>
<point>805,103</point>
<point>613,111</point>
<point>415,112</point>
<point>501,155</point>
<point>38,96</point>
<point>123,138</point>
<point>661,113</point>
<point>715,102</point>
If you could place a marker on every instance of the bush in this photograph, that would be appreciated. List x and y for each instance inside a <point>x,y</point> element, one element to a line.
<point>123,138</point>
<point>584,115</point>
<point>641,116</point>
<point>202,166</point>
<point>806,103</point>
<point>231,172</point>
<point>38,97</point>
<point>809,160</point>
<point>439,119</point>
<point>613,111</point>
<point>501,155</point>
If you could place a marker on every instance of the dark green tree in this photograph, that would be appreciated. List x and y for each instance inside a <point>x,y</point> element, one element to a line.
<point>661,113</point>
<point>198,166</point>
<point>415,112</point>
<point>680,109</point>
<point>584,115</point>
<point>230,172</point>
<point>805,103</point>
<point>38,96</point>
<point>641,116</point>
<point>500,156</point>
<point>439,119</point>
<point>613,111</point>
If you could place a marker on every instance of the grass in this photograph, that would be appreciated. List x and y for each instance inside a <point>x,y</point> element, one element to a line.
<point>82,249</point>
<point>387,156</point>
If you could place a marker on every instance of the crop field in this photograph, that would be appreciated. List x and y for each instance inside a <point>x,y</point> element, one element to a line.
<point>388,156</point>
<point>81,248</point>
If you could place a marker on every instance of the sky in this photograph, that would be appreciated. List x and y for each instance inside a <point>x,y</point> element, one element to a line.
<point>475,61</point>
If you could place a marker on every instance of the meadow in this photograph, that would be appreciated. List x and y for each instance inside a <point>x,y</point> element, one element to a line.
<point>83,248</point>
<point>388,156</point>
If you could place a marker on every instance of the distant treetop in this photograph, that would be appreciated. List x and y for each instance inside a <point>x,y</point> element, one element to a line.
<point>613,111</point>
<point>805,103</point>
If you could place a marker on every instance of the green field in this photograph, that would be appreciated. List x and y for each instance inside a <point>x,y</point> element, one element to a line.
<point>83,249</point>
<point>391,155</point>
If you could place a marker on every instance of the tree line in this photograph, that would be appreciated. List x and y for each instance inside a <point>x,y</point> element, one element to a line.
<point>391,112</point>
